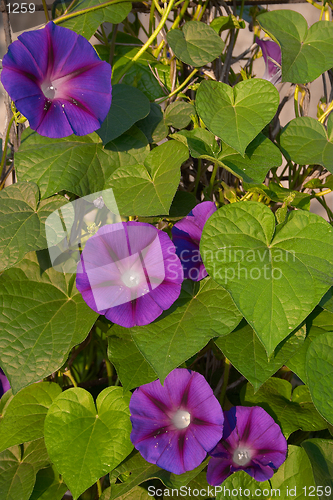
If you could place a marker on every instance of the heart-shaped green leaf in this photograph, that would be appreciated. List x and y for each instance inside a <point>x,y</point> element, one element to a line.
<point>178,114</point>
<point>77,164</point>
<point>292,411</point>
<point>22,221</point>
<point>87,24</point>
<point>319,371</point>
<point>247,354</point>
<point>17,477</point>
<point>307,142</point>
<point>132,368</point>
<point>318,322</point>
<point>204,310</point>
<point>149,189</point>
<point>275,279</point>
<point>49,485</point>
<point>237,114</point>
<point>85,444</point>
<point>240,486</point>
<point>23,417</point>
<point>320,453</point>
<point>196,44</point>
<point>128,106</point>
<point>42,316</point>
<point>306,52</point>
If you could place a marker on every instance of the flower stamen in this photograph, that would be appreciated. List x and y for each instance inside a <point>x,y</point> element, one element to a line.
<point>181,419</point>
<point>241,456</point>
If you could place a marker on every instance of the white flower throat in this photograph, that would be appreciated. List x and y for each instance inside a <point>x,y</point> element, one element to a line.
<point>130,278</point>
<point>48,90</point>
<point>241,456</point>
<point>181,419</point>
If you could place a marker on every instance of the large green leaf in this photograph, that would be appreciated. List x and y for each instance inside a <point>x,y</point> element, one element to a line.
<point>149,189</point>
<point>128,106</point>
<point>247,354</point>
<point>129,148</point>
<point>196,44</point>
<point>77,164</point>
<point>153,123</point>
<point>83,443</point>
<point>204,310</point>
<point>292,411</point>
<point>22,220</point>
<point>320,453</point>
<point>319,371</point>
<point>318,322</point>
<point>132,368</point>
<point>136,470</point>
<point>48,485</point>
<point>42,315</point>
<point>260,155</point>
<point>306,52</point>
<point>275,279</point>
<point>18,469</point>
<point>237,114</point>
<point>294,475</point>
<point>307,142</point>
<point>241,485</point>
<point>327,301</point>
<point>178,114</point>
<point>87,24</point>
<point>24,415</point>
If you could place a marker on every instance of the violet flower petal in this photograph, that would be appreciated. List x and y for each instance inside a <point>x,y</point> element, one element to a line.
<point>4,383</point>
<point>186,235</point>
<point>57,81</point>
<point>271,52</point>
<point>154,409</point>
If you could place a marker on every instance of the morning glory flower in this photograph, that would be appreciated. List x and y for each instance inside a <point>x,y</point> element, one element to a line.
<point>186,235</point>
<point>129,272</point>
<point>174,425</point>
<point>251,442</point>
<point>57,81</point>
<point>272,56</point>
<point>4,383</point>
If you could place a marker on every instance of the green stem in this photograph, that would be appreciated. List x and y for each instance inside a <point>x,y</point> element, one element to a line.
<point>99,488</point>
<point>197,179</point>
<point>46,12</point>
<point>296,101</point>
<point>71,378</point>
<point>161,99</point>
<point>212,179</point>
<point>64,17</point>
<point>180,15</point>
<point>227,367</point>
<point>147,44</point>
<point>327,112</point>
<point>202,10</point>
<point>4,154</point>
<point>109,370</point>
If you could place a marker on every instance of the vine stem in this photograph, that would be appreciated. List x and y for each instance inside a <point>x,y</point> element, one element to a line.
<point>212,179</point>
<point>161,99</point>
<point>227,366</point>
<point>46,12</point>
<point>327,112</point>
<point>4,154</point>
<point>147,44</point>
<point>99,488</point>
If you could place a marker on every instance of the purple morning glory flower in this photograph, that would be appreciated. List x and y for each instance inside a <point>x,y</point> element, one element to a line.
<point>4,383</point>
<point>57,81</point>
<point>129,272</point>
<point>186,235</point>
<point>176,424</point>
<point>272,56</point>
<point>251,442</point>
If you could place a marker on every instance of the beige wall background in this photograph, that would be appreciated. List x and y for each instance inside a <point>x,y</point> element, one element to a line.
<point>22,22</point>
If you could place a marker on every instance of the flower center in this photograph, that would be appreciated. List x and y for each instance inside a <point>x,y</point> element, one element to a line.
<point>130,278</point>
<point>48,90</point>
<point>241,456</point>
<point>181,419</point>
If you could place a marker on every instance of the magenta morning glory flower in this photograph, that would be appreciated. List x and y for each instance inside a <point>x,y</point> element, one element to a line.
<point>251,442</point>
<point>176,424</point>
<point>57,81</point>
<point>186,235</point>
<point>272,56</point>
<point>4,383</point>
<point>129,272</point>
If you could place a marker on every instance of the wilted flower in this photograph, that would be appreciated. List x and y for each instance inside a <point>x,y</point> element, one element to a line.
<point>4,383</point>
<point>186,235</point>
<point>176,424</point>
<point>57,81</point>
<point>272,56</point>
<point>129,272</point>
<point>251,442</point>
